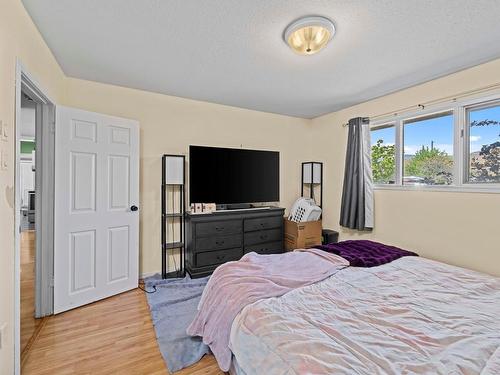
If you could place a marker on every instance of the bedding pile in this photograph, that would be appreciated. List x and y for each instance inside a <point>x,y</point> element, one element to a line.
<point>255,277</point>
<point>364,253</point>
<point>410,316</point>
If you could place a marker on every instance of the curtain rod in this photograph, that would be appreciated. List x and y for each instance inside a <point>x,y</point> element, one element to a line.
<point>452,98</point>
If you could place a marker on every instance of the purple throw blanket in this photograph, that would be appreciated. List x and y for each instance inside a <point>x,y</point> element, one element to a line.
<point>235,285</point>
<point>364,253</point>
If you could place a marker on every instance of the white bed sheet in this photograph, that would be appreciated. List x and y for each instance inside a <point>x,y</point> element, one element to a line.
<point>411,316</point>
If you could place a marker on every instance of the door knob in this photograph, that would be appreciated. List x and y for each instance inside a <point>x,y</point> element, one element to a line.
<point>134,208</point>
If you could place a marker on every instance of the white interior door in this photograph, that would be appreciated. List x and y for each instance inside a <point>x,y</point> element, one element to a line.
<point>96,251</point>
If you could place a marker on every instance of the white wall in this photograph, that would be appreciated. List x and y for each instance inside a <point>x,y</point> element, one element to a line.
<point>27,175</point>
<point>27,180</point>
<point>28,119</point>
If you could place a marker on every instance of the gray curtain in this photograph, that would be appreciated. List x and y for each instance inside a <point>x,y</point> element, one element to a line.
<point>357,195</point>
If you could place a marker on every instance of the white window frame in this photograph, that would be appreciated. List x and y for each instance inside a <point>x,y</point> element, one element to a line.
<point>460,145</point>
<point>466,109</point>
<point>384,125</point>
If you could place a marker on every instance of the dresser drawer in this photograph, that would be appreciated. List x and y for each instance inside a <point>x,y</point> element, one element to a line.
<point>263,223</point>
<point>266,248</point>
<point>218,227</point>
<point>218,257</point>
<point>262,236</point>
<point>218,242</point>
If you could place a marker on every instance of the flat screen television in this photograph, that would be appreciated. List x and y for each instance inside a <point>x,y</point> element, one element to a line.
<point>228,176</point>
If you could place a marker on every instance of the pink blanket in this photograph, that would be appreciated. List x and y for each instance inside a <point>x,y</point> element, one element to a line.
<point>235,285</point>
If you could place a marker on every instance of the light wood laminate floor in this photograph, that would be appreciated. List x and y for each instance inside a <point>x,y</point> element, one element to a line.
<point>29,324</point>
<point>113,336</point>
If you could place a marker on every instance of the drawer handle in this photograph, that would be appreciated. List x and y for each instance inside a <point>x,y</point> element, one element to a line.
<point>220,257</point>
<point>219,243</point>
<point>263,236</point>
<point>218,229</point>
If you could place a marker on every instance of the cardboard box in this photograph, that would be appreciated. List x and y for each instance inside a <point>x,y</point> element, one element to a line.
<point>302,235</point>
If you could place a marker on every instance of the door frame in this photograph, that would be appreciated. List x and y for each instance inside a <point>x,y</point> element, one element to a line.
<point>44,202</point>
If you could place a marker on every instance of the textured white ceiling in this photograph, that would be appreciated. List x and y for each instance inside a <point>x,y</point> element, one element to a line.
<point>231,52</point>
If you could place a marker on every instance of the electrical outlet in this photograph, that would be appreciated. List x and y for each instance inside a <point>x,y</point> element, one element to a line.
<point>3,332</point>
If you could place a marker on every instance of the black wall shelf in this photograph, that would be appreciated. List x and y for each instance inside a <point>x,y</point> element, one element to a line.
<point>174,183</point>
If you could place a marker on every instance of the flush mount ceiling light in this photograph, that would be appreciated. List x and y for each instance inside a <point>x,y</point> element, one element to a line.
<point>309,35</point>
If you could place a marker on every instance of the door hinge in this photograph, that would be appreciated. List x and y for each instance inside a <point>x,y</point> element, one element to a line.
<point>52,127</point>
<point>51,282</point>
<point>461,133</point>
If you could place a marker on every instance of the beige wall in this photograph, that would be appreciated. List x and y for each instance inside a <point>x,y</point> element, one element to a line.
<point>18,39</point>
<point>457,228</point>
<point>170,125</point>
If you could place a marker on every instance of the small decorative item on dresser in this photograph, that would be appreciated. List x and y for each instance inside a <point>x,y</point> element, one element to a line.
<point>209,208</point>
<point>203,208</point>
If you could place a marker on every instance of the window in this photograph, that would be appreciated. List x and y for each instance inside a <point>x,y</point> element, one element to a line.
<point>383,139</point>
<point>428,150</point>
<point>483,127</point>
<point>453,147</point>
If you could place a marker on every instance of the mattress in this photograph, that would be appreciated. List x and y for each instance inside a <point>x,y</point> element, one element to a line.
<point>410,316</point>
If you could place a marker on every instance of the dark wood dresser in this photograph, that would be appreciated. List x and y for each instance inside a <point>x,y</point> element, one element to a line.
<point>222,236</point>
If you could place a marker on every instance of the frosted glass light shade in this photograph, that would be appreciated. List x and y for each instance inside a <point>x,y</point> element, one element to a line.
<point>315,174</point>
<point>309,35</point>
<point>174,167</point>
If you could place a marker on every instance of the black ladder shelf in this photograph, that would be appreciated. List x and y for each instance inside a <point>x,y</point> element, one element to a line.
<point>173,182</point>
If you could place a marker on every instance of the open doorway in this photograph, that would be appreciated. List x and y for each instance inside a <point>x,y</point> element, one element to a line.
<point>27,168</point>
<point>34,214</point>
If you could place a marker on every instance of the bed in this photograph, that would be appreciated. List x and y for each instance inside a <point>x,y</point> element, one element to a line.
<point>410,316</point>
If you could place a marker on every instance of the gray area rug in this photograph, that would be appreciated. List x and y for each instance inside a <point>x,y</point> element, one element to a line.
<point>173,307</point>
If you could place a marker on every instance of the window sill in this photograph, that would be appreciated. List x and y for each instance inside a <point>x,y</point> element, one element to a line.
<point>493,189</point>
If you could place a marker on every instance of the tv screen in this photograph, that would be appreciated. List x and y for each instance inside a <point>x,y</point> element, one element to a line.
<point>229,175</point>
